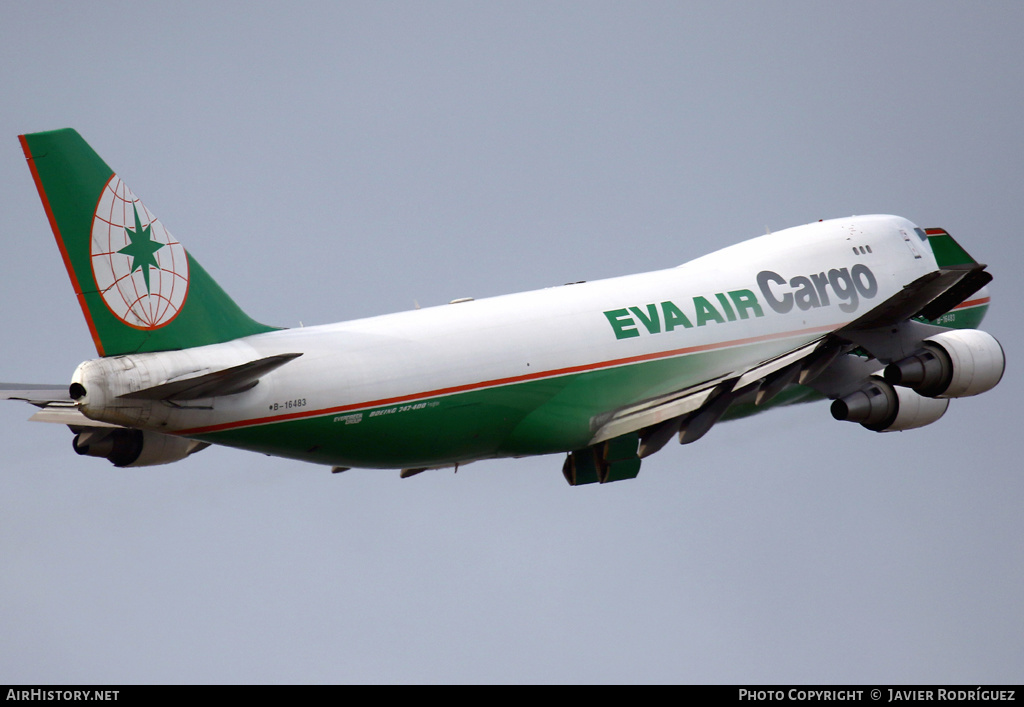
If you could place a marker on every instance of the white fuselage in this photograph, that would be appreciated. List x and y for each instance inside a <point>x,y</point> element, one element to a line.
<point>739,305</point>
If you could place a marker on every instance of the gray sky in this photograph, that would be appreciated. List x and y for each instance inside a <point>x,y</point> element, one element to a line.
<point>335,160</point>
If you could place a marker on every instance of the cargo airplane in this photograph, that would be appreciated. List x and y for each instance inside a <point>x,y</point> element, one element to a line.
<point>872,312</point>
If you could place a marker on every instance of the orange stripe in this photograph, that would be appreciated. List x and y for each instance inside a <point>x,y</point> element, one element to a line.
<point>523,378</point>
<point>60,244</point>
<point>502,381</point>
<point>973,303</point>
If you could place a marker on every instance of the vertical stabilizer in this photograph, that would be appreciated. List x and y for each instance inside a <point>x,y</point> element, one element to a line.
<point>138,287</point>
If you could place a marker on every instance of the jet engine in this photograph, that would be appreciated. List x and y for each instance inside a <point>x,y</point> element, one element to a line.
<point>881,407</point>
<point>953,364</point>
<point>128,447</point>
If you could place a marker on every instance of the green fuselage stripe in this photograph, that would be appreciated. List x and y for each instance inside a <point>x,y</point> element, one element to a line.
<point>500,382</point>
<point>539,413</point>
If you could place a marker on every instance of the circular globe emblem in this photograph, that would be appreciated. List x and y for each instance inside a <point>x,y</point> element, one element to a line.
<point>141,271</point>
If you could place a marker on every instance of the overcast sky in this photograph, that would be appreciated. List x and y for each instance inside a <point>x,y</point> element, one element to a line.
<point>330,160</point>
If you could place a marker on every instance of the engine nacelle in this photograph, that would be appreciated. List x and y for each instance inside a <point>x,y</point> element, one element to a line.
<point>125,447</point>
<point>881,407</point>
<point>954,364</point>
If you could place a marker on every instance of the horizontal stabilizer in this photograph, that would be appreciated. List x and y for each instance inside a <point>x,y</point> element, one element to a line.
<point>38,395</point>
<point>68,415</point>
<point>228,381</point>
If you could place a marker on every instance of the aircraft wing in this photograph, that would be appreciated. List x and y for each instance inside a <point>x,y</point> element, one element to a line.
<point>894,328</point>
<point>692,411</point>
<point>930,296</point>
<point>887,332</point>
<point>673,405</point>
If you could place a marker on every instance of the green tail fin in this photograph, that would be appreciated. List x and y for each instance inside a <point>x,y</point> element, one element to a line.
<point>138,288</point>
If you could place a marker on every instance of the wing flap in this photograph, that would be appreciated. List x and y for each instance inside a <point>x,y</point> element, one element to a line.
<point>767,368</point>
<point>655,411</point>
<point>673,406</point>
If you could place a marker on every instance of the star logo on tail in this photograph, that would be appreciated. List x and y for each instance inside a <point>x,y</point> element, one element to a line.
<point>141,249</point>
<point>140,269</point>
